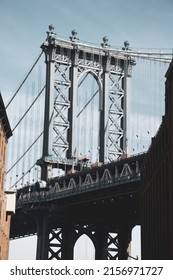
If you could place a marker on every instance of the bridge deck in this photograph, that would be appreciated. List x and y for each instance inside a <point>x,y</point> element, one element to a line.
<point>110,192</point>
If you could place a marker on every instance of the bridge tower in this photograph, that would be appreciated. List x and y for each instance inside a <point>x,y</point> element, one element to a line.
<point>68,63</point>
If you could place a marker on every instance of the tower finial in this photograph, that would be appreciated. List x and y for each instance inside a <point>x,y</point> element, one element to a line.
<point>73,36</point>
<point>105,42</point>
<point>51,35</point>
<point>126,45</point>
<point>51,27</point>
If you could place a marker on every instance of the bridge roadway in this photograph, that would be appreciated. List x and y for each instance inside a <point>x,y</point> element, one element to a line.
<point>106,193</point>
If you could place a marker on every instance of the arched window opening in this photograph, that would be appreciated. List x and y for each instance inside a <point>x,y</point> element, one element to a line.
<point>88,117</point>
<point>84,248</point>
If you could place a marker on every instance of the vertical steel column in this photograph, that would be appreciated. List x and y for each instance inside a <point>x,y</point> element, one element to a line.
<point>128,62</point>
<point>125,108</point>
<point>42,236</point>
<point>128,114</point>
<point>124,238</point>
<point>50,50</point>
<point>73,103</point>
<point>104,115</point>
<point>100,242</point>
<point>68,235</point>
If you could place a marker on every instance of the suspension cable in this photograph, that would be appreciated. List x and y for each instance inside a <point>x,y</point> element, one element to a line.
<point>25,152</point>
<point>28,109</point>
<point>26,77</point>
<point>88,102</point>
<point>23,176</point>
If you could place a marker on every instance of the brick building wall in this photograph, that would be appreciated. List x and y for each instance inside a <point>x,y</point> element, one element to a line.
<point>5,133</point>
<point>157,187</point>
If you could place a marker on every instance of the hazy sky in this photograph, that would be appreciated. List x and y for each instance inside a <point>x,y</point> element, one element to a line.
<point>23,26</point>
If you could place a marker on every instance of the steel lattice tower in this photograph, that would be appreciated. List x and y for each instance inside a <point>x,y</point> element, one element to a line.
<point>68,62</point>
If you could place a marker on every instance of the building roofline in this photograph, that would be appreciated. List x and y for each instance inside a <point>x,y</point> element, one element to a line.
<point>4,119</point>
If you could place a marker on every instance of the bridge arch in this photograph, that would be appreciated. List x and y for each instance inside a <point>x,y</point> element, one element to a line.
<point>95,76</point>
<point>84,248</point>
<point>89,103</point>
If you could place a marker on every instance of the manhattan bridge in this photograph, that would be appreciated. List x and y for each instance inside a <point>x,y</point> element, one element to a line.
<point>82,121</point>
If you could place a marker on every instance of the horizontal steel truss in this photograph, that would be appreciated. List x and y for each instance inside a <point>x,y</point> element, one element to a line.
<point>91,179</point>
<point>110,174</point>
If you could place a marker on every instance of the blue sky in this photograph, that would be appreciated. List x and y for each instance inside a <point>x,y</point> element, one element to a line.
<point>23,26</point>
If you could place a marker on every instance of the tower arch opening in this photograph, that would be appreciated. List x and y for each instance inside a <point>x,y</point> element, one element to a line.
<point>88,116</point>
<point>84,248</point>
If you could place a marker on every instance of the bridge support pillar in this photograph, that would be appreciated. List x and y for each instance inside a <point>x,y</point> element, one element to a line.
<point>68,242</point>
<point>42,236</point>
<point>104,127</point>
<point>124,238</point>
<point>100,243</point>
<point>71,136</point>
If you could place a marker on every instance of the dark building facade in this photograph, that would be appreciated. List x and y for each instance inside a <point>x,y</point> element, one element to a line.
<point>157,186</point>
<point>6,197</point>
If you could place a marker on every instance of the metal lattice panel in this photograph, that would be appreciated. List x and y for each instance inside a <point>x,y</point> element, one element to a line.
<point>55,244</point>
<point>112,246</point>
<point>116,114</point>
<point>61,107</point>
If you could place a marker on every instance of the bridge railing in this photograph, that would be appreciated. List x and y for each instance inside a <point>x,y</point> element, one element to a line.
<point>55,193</point>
